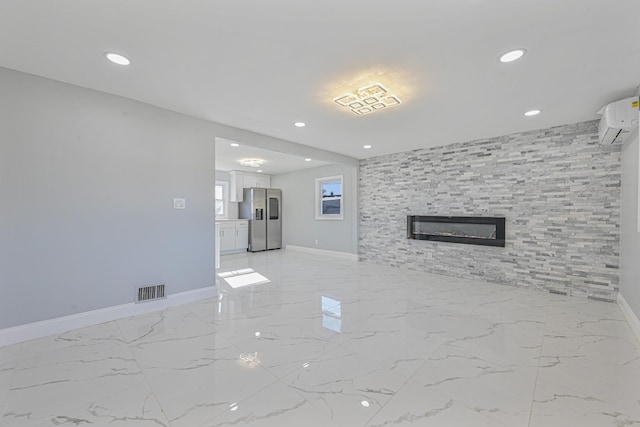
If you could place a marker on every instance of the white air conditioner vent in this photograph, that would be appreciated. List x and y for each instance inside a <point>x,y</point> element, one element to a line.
<point>618,121</point>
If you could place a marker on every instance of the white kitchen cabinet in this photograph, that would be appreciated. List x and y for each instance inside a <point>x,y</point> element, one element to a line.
<point>236,182</point>
<point>227,236</point>
<point>240,180</point>
<point>217,246</point>
<point>264,181</point>
<point>233,236</point>
<point>242,235</point>
<point>250,181</point>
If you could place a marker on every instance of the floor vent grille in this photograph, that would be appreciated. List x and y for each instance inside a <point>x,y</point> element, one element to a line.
<point>150,293</point>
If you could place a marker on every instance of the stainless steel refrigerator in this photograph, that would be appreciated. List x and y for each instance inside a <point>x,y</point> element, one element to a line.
<point>263,208</point>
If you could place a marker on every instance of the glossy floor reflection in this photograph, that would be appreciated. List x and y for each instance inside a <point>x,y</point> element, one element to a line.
<point>327,342</point>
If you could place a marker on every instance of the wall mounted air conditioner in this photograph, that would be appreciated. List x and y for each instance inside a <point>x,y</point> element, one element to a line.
<point>618,121</point>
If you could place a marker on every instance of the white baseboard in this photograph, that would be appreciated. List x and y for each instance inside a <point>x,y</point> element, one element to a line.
<point>60,325</point>
<point>632,318</point>
<point>342,255</point>
<point>234,251</point>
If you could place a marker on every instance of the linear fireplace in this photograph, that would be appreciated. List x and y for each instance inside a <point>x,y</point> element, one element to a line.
<point>487,231</point>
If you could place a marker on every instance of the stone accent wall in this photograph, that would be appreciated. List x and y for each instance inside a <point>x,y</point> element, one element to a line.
<point>558,189</point>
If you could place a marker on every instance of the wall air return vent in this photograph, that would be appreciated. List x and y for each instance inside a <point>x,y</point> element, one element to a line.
<point>150,293</point>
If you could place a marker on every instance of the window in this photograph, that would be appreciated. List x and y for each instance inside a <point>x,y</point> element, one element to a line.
<point>329,204</point>
<point>222,199</point>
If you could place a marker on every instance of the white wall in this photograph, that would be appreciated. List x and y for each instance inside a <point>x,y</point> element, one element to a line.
<point>629,236</point>
<point>299,226</point>
<point>87,182</point>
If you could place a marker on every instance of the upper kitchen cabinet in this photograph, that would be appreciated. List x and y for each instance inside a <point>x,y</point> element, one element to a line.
<point>240,180</point>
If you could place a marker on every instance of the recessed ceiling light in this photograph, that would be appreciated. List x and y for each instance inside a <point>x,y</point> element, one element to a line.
<point>235,144</point>
<point>512,55</point>
<point>116,58</point>
<point>259,170</point>
<point>366,147</point>
<point>307,160</point>
<point>299,124</point>
<point>365,403</point>
<point>532,113</point>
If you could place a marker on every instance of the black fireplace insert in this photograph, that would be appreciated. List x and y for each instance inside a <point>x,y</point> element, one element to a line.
<point>487,231</point>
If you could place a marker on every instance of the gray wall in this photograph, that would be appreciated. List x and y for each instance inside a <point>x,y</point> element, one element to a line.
<point>558,189</point>
<point>300,228</point>
<point>630,238</point>
<point>87,182</point>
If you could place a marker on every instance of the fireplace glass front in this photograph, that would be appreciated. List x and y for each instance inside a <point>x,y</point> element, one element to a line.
<point>488,231</point>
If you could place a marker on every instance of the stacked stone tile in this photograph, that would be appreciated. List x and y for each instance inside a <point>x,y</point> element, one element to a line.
<point>558,189</point>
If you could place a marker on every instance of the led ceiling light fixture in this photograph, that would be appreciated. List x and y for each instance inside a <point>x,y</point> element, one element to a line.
<point>512,55</point>
<point>254,163</point>
<point>368,99</point>
<point>116,58</point>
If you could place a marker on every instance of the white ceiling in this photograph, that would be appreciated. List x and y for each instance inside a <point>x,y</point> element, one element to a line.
<point>262,65</point>
<point>228,158</point>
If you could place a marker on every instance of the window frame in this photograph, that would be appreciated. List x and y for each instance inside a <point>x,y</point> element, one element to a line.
<point>319,198</point>
<point>225,199</point>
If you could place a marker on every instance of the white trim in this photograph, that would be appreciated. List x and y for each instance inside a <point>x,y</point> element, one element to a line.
<point>632,318</point>
<point>335,254</point>
<point>319,198</point>
<point>63,324</point>
<point>233,251</point>
<point>225,198</point>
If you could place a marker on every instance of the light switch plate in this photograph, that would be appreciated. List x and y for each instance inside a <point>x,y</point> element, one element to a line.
<point>179,203</point>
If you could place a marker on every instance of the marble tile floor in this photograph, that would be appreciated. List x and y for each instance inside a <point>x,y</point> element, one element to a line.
<point>331,343</point>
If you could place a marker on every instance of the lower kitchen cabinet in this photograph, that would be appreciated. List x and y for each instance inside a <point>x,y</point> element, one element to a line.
<point>233,236</point>
<point>242,235</point>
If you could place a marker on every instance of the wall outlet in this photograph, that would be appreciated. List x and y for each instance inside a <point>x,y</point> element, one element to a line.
<point>179,203</point>
<point>316,243</point>
<point>429,255</point>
